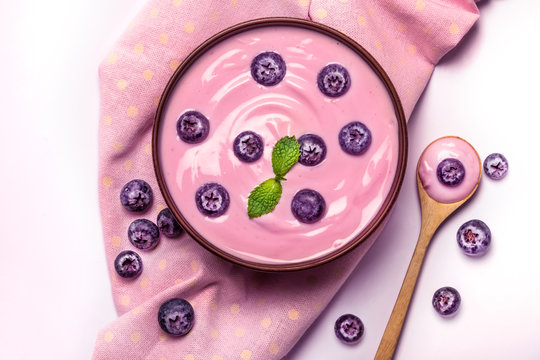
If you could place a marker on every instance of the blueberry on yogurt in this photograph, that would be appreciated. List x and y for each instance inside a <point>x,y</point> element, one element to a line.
<point>128,264</point>
<point>496,166</point>
<point>248,146</point>
<point>136,195</point>
<point>334,80</point>
<point>168,225</point>
<point>268,68</point>
<point>446,301</point>
<point>312,150</point>
<point>143,234</point>
<point>176,317</point>
<point>308,206</point>
<point>192,127</point>
<point>355,138</point>
<point>349,329</point>
<point>212,199</point>
<point>474,237</point>
<point>450,172</point>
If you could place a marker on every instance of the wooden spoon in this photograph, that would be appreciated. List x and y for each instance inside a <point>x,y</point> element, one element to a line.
<point>433,214</point>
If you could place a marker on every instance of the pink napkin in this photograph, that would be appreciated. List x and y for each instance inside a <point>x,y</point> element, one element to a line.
<point>240,314</point>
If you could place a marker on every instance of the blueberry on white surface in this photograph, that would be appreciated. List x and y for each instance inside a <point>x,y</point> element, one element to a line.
<point>192,127</point>
<point>268,68</point>
<point>308,206</point>
<point>450,172</point>
<point>168,225</point>
<point>334,80</point>
<point>128,264</point>
<point>212,199</point>
<point>355,138</point>
<point>248,146</point>
<point>312,150</point>
<point>474,237</point>
<point>136,195</point>
<point>446,301</point>
<point>349,329</point>
<point>143,234</point>
<point>495,166</point>
<point>176,317</point>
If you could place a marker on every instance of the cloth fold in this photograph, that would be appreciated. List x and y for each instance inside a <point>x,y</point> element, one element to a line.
<point>240,314</point>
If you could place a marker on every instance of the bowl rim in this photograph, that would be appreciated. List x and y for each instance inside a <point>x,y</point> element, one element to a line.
<point>378,220</point>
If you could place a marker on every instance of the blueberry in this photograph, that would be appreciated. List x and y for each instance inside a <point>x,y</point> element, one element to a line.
<point>312,150</point>
<point>212,199</point>
<point>334,80</point>
<point>474,237</point>
<point>192,127</point>
<point>349,329</point>
<point>168,225</point>
<point>446,301</point>
<point>128,264</point>
<point>496,166</point>
<point>143,234</point>
<point>176,317</point>
<point>248,146</point>
<point>355,138</point>
<point>308,206</point>
<point>136,195</point>
<point>450,172</point>
<point>268,68</point>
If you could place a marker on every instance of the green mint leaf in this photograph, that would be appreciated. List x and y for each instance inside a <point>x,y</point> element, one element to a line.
<point>264,198</point>
<point>285,154</point>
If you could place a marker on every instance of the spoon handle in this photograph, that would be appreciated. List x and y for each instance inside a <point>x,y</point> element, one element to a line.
<point>391,335</point>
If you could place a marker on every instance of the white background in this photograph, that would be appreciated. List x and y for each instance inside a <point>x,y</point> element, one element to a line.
<point>54,288</point>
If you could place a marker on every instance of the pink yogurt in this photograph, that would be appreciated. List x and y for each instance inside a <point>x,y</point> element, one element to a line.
<point>220,86</point>
<point>443,148</point>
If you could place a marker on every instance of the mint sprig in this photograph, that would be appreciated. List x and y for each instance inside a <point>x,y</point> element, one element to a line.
<point>284,155</point>
<point>264,198</point>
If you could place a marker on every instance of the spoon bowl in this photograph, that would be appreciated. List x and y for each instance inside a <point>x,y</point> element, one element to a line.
<point>434,213</point>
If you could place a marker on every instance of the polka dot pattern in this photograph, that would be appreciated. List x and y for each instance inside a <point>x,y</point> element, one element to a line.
<point>266,322</point>
<point>139,48</point>
<point>107,181</point>
<point>116,241</point>
<point>246,310</point>
<point>321,13</point>
<point>162,264</point>
<point>361,20</point>
<point>127,165</point>
<point>125,300</point>
<point>239,332</point>
<point>136,337</point>
<point>235,308</point>
<point>293,314</point>
<point>111,59</point>
<point>163,38</point>
<point>189,28</point>
<point>109,336</point>
<point>174,64</point>
<point>148,74</point>
<point>132,111</point>
<point>273,349</point>
<point>246,354</point>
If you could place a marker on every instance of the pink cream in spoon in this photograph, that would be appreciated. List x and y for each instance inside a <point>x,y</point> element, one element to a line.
<point>449,149</point>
